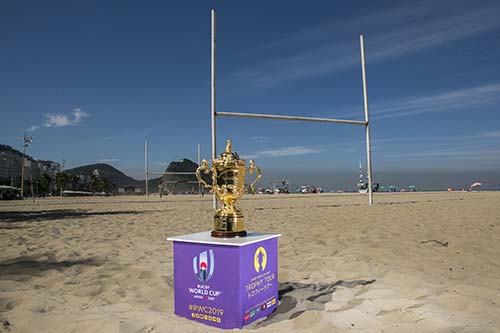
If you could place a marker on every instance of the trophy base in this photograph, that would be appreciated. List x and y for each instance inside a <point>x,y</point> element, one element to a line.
<point>229,223</point>
<point>228,234</point>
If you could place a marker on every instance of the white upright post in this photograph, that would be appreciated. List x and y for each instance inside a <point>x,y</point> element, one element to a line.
<point>214,148</point>
<point>199,161</point>
<point>146,171</point>
<point>31,186</point>
<point>22,170</point>
<point>22,173</point>
<point>62,171</point>
<point>367,126</point>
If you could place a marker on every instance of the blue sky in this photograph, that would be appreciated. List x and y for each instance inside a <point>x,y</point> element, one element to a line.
<point>93,80</point>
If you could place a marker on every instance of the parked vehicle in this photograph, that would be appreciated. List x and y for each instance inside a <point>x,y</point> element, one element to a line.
<point>9,193</point>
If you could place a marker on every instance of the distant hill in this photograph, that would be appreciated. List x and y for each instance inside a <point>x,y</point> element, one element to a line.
<point>183,183</point>
<point>7,148</point>
<point>184,165</point>
<point>178,184</point>
<point>114,176</point>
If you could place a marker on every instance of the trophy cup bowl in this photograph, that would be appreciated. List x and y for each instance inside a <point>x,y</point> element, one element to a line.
<point>228,185</point>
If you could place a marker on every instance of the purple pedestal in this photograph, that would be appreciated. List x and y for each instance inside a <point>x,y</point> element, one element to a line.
<point>225,282</point>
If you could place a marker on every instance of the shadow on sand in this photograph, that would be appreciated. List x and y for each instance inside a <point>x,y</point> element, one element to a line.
<point>31,266</point>
<point>44,215</point>
<point>296,298</point>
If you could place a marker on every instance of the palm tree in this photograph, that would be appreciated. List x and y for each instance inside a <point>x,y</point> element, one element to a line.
<point>44,183</point>
<point>61,181</point>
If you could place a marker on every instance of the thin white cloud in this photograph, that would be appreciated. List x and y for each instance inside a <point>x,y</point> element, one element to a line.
<point>480,148</point>
<point>435,140</point>
<point>62,120</point>
<point>435,30</point>
<point>326,31</point>
<point>448,101</point>
<point>289,151</point>
<point>108,160</point>
<point>447,154</point>
<point>471,97</point>
<point>330,47</point>
<point>56,120</point>
<point>79,115</point>
<point>32,128</point>
<point>492,134</point>
<point>260,139</point>
<point>249,156</point>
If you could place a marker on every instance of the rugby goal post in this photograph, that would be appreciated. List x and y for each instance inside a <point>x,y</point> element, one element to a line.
<point>366,122</point>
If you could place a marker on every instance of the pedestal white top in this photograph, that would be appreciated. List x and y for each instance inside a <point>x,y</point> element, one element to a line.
<point>205,238</point>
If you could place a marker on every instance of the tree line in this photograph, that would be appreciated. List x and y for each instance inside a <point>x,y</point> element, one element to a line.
<point>45,184</point>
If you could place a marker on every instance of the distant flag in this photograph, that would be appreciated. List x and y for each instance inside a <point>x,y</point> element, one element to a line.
<point>476,184</point>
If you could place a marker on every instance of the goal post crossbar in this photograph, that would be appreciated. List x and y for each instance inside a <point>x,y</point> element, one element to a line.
<point>292,118</point>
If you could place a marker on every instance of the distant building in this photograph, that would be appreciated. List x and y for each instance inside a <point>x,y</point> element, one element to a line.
<point>129,190</point>
<point>11,162</point>
<point>10,168</point>
<point>49,167</point>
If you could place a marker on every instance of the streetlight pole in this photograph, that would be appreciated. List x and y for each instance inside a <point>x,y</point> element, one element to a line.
<point>62,180</point>
<point>146,167</point>
<point>10,175</point>
<point>27,140</point>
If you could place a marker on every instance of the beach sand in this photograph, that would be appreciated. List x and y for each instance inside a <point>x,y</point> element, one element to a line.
<point>413,262</point>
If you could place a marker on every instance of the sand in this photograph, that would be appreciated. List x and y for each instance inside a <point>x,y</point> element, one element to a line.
<point>413,262</point>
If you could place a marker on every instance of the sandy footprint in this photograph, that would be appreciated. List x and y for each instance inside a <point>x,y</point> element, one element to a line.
<point>89,290</point>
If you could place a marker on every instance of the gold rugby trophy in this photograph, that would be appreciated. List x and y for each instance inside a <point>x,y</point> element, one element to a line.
<point>228,185</point>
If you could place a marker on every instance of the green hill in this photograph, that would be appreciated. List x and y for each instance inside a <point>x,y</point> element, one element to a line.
<point>113,175</point>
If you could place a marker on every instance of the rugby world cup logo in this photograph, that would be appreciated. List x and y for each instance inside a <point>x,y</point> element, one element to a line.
<point>203,265</point>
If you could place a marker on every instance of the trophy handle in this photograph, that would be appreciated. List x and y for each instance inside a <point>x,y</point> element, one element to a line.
<point>259,174</point>
<point>203,167</point>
